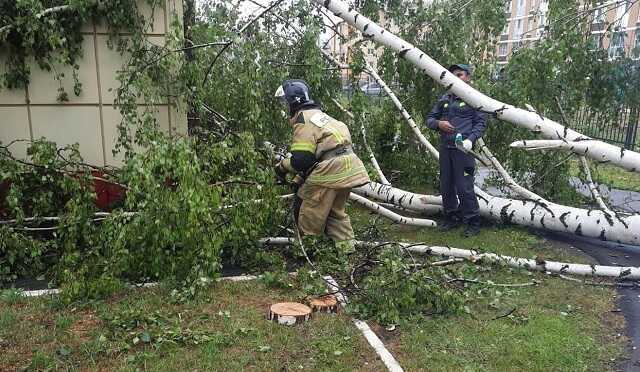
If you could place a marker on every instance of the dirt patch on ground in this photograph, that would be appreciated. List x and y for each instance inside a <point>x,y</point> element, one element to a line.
<point>83,327</point>
<point>390,339</point>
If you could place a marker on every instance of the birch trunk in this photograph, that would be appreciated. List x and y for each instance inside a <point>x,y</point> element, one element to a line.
<point>592,186</point>
<point>619,272</point>
<point>509,181</point>
<point>384,212</point>
<point>412,124</point>
<point>372,156</point>
<point>604,225</point>
<point>529,119</point>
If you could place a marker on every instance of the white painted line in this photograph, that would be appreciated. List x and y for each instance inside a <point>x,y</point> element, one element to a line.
<point>373,340</point>
<point>54,291</point>
<point>240,278</point>
<point>41,292</point>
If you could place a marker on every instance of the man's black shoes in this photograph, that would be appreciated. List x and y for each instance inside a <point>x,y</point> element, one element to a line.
<point>449,224</point>
<point>471,230</point>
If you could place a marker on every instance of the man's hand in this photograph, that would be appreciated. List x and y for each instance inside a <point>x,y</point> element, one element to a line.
<point>467,145</point>
<point>446,127</point>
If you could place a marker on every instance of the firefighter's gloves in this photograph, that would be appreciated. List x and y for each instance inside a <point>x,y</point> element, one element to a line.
<point>296,183</point>
<point>281,174</point>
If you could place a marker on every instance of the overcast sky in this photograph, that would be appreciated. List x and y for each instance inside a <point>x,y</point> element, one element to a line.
<point>249,8</point>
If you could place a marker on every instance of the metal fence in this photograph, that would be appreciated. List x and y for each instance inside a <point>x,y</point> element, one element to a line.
<point>619,126</point>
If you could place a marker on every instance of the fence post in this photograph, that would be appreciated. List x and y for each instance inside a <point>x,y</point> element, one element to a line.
<point>632,126</point>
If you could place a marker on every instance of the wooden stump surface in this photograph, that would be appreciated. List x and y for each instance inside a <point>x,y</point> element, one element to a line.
<point>289,313</point>
<point>324,304</point>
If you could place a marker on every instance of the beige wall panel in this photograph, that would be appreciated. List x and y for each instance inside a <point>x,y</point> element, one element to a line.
<point>112,119</point>
<point>156,27</point>
<point>110,62</point>
<point>175,9</point>
<point>14,124</point>
<point>87,28</point>
<point>178,120</point>
<point>43,88</point>
<point>13,96</point>
<point>70,124</point>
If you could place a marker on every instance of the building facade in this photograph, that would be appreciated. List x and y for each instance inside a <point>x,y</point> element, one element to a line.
<point>614,26</point>
<point>90,119</point>
<point>526,21</point>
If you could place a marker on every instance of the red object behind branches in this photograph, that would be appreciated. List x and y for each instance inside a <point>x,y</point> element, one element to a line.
<point>107,194</point>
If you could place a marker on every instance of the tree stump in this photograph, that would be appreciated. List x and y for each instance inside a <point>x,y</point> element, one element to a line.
<point>324,304</point>
<point>289,313</point>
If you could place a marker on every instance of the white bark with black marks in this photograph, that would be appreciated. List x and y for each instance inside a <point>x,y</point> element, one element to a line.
<point>529,119</point>
<point>384,212</point>
<point>608,226</point>
<point>618,272</point>
<point>508,180</point>
<point>407,117</point>
<point>592,186</point>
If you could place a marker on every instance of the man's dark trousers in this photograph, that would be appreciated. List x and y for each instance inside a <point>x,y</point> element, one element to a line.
<point>457,173</point>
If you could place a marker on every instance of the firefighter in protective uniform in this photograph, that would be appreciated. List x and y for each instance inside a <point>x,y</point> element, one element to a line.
<point>325,166</point>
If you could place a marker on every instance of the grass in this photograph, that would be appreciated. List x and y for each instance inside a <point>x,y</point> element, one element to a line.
<point>556,325</point>
<point>226,329</point>
<point>610,175</point>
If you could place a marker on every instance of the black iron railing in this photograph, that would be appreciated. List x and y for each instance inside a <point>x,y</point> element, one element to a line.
<point>619,126</point>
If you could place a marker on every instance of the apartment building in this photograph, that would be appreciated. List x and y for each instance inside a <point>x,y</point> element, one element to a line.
<point>614,26</point>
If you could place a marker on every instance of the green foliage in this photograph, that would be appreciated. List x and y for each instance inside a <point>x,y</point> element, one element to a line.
<point>48,32</point>
<point>190,203</point>
<point>393,291</point>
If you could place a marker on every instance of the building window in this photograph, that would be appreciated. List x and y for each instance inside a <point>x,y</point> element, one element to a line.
<point>636,48</point>
<point>505,30</point>
<point>616,49</point>
<point>507,6</point>
<point>502,49</point>
<point>519,29</point>
<point>542,19</point>
<point>520,8</point>
<point>595,42</point>
<point>599,15</point>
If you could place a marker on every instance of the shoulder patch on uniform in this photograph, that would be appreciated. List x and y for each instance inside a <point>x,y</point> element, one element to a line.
<point>462,104</point>
<point>320,119</point>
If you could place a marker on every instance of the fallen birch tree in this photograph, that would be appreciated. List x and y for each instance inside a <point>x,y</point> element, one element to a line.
<point>528,119</point>
<point>377,208</point>
<point>477,257</point>
<point>618,272</point>
<point>599,224</point>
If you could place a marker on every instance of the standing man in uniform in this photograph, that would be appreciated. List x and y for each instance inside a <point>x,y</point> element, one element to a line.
<point>452,116</point>
<point>325,166</point>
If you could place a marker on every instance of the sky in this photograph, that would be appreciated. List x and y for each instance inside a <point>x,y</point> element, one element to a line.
<point>249,8</point>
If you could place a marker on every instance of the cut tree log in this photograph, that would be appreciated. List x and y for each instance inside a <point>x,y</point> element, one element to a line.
<point>618,227</point>
<point>324,304</point>
<point>289,313</point>
<point>528,119</point>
